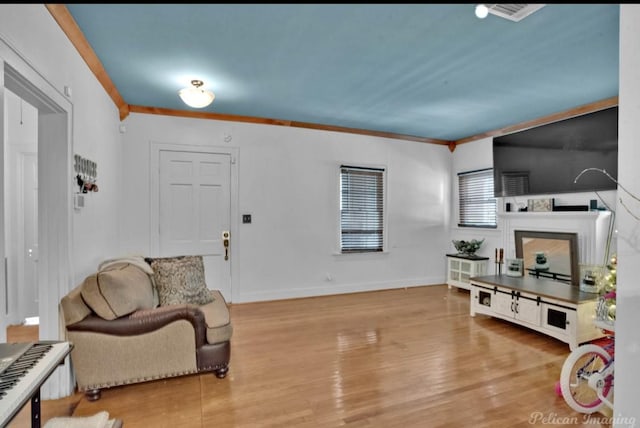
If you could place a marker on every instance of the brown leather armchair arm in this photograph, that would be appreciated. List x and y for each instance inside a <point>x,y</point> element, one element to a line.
<point>145,321</point>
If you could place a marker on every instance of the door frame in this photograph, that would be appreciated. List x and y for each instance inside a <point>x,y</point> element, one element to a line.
<point>154,199</point>
<point>55,222</point>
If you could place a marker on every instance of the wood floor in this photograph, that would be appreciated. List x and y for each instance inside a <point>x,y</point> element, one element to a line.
<point>395,358</point>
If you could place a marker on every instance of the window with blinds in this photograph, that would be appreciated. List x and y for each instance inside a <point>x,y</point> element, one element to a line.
<point>361,209</point>
<point>476,202</point>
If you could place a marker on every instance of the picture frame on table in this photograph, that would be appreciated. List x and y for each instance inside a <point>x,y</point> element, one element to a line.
<point>515,267</point>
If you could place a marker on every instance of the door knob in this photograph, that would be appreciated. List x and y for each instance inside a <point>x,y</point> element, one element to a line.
<point>225,242</point>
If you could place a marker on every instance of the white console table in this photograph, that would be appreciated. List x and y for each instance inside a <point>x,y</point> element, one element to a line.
<point>551,307</point>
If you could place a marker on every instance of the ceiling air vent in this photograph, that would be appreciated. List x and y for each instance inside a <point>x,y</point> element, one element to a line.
<point>513,12</point>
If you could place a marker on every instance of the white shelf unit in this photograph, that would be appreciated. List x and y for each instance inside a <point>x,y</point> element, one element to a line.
<point>461,268</point>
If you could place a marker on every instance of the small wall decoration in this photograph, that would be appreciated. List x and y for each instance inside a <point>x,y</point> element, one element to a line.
<point>86,174</point>
<point>540,205</point>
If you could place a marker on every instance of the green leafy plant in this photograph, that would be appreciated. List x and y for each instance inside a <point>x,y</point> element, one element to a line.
<point>467,247</point>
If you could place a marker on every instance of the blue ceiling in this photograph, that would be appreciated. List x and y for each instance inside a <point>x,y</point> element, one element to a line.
<point>426,70</point>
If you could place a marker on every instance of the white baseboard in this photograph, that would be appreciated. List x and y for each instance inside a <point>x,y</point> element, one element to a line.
<point>292,293</point>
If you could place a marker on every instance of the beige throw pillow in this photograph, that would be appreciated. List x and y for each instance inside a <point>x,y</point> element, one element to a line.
<point>118,291</point>
<point>180,280</point>
<point>73,307</point>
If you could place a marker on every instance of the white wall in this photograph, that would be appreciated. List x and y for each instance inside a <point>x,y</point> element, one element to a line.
<point>288,181</point>
<point>469,157</point>
<point>31,31</point>
<point>628,300</point>
<point>33,43</point>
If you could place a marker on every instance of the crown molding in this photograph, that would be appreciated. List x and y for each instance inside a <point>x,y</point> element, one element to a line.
<point>576,111</point>
<point>280,122</point>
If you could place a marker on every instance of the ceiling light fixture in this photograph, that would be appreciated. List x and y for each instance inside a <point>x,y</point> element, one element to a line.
<point>482,11</point>
<point>196,97</point>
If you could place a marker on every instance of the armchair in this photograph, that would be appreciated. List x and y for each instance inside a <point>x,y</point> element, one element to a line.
<point>123,334</point>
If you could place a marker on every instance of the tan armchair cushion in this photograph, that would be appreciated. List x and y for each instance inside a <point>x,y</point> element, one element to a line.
<point>217,318</point>
<point>117,291</point>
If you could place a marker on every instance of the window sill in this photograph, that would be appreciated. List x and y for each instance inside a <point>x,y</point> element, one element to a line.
<point>371,253</point>
<point>482,229</point>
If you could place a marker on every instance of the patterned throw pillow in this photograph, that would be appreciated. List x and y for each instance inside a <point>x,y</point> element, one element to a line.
<point>180,280</point>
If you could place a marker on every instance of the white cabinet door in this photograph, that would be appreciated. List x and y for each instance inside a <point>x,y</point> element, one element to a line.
<point>454,271</point>
<point>527,311</point>
<point>465,270</point>
<point>513,306</point>
<point>502,303</point>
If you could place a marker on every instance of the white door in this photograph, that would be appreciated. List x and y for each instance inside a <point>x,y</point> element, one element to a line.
<point>28,278</point>
<point>195,210</point>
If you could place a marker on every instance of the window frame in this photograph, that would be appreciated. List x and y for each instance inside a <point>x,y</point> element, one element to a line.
<point>487,195</point>
<point>375,168</point>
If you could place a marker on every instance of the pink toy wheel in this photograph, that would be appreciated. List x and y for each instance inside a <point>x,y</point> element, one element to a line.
<point>558,389</point>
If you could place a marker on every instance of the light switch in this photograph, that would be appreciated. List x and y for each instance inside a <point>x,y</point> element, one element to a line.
<point>246,218</point>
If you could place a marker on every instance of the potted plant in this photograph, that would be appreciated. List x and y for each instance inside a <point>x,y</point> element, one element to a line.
<point>467,248</point>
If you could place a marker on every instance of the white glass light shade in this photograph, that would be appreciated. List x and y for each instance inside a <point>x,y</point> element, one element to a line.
<point>196,97</point>
<point>482,11</point>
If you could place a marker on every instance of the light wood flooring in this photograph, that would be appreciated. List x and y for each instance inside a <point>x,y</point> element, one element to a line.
<point>395,358</point>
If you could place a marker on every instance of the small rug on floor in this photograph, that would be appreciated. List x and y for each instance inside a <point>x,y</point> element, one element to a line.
<point>99,420</point>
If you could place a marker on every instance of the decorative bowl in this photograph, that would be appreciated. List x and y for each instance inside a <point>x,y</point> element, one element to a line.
<point>467,247</point>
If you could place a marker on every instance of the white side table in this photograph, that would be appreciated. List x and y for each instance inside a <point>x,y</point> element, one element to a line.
<point>461,267</point>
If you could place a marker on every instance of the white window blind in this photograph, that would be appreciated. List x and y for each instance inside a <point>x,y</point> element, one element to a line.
<point>476,202</point>
<point>361,209</point>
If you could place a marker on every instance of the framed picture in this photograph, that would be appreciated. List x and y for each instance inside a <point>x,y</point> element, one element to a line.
<point>540,205</point>
<point>591,277</point>
<point>515,267</point>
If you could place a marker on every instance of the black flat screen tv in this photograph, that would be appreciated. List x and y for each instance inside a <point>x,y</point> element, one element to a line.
<point>548,158</point>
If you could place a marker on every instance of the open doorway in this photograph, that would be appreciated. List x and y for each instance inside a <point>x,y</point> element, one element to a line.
<point>21,212</point>
<point>54,202</point>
